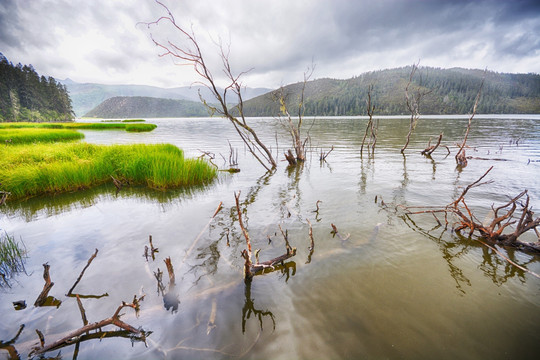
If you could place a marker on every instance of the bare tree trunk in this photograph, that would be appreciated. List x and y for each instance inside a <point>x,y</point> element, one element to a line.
<point>461,159</point>
<point>295,129</point>
<point>370,127</point>
<point>413,104</point>
<point>192,54</point>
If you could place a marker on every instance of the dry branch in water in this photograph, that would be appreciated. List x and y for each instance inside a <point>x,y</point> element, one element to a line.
<point>503,217</point>
<point>335,232</point>
<point>431,148</point>
<point>113,320</point>
<point>82,272</point>
<point>249,268</point>
<point>324,156</point>
<point>40,301</point>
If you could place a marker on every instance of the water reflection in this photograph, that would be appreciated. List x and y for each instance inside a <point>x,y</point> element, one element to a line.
<point>458,246</point>
<point>30,209</point>
<point>405,283</point>
<point>451,251</point>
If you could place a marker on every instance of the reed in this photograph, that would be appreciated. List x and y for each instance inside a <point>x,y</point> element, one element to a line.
<point>133,120</point>
<point>32,135</point>
<point>12,256</point>
<point>78,125</point>
<point>36,169</point>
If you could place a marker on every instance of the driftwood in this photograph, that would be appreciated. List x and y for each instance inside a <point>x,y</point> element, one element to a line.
<point>249,268</point>
<point>170,298</point>
<point>289,156</point>
<point>311,247</point>
<point>431,148</point>
<point>42,298</point>
<point>153,250</point>
<point>117,183</point>
<point>9,347</point>
<point>73,336</point>
<point>70,292</point>
<point>335,232</point>
<point>324,156</point>
<point>492,230</point>
<point>82,272</point>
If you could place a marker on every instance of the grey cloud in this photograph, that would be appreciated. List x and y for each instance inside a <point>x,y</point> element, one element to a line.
<point>9,23</point>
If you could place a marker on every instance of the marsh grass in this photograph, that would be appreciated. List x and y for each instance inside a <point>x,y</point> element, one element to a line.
<point>32,135</point>
<point>133,120</point>
<point>77,125</point>
<point>12,257</point>
<point>35,169</point>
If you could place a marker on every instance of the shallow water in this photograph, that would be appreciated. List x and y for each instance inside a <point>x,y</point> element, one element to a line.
<point>394,289</point>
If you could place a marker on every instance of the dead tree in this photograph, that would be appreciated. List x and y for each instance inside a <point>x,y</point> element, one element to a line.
<point>413,104</point>
<point>192,54</point>
<point>371,129</point>
<point>461,158</point>
<point>503,217</point>
<point>294,128</point>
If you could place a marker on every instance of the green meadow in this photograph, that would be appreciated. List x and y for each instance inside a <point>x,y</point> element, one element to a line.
<point>29,170</point>
<point>33,135</point>
<point>76,125</point>
<point>38,158</point>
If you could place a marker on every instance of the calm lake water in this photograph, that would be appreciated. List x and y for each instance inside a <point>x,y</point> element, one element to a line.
<point>395,289</point>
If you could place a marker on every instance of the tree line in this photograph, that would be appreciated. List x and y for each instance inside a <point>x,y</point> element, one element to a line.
<point>27,96</point>
<point>448,91</point>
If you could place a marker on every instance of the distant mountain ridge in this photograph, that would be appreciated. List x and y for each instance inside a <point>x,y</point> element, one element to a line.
<point>120,107</point>
<point>451,91</point>
<point>86,96</point>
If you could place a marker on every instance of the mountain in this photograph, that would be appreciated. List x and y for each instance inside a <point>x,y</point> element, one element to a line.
<point>450,91</point>
<point>88,95</point>
<point>27,96</point>
<point>142,106</point>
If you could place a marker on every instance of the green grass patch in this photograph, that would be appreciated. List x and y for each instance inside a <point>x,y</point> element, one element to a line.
<point>36,169</point>
<point>140,127</point>
<point>32,135</point>
<point>78,125</point>
<point>133,120</point>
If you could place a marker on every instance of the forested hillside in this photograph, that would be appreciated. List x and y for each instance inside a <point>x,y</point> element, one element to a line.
<point>451,91</point>
<point>140,106</point>
<point>26,96</point>
<point>87,96</point>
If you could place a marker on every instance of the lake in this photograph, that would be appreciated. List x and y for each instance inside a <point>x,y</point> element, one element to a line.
<point>396,288</point>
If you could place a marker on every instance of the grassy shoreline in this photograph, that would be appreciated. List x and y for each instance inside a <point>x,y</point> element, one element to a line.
<point>30,170</point>
<point>133,127</point>
<point>32,135</point>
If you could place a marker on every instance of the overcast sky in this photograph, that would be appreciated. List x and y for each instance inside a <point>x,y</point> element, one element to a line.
<point>101,41</point>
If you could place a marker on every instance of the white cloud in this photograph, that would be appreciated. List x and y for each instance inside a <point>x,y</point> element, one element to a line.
<point>100,41</point>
